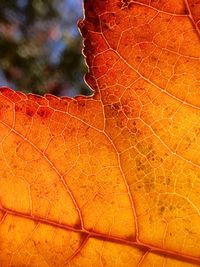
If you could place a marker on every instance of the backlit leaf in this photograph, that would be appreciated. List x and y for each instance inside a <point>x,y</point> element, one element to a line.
<point>112,179</point>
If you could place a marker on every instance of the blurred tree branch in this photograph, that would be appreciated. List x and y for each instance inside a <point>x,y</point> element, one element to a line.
<point>40,48</point>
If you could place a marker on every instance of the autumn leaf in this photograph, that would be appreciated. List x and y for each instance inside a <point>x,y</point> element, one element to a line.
<point>112,179</point>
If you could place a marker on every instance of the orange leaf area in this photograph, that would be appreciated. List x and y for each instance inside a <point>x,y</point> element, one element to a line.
<point>112,179</point>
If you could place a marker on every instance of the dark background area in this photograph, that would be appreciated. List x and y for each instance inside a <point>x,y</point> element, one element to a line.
<point>40,47</point>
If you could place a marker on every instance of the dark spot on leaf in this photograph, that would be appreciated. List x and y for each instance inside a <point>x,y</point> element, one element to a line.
<point>30,112</point>
<point>190,232</point>
<point>162,209</point>
<point>138,58</point>
<point>18,108</point>
<point>81,103</point>
<point>44,112</point>
<point>11,227</point>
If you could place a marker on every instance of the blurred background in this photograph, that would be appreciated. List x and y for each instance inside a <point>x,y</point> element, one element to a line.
<point>40,47</point>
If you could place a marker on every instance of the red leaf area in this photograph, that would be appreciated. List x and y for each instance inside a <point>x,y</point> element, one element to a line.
<point>112,179</point>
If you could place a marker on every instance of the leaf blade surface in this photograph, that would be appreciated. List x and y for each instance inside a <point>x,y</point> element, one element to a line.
<point>113,178</point>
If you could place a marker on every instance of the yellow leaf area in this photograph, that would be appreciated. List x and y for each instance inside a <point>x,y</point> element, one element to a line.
<point>112,179</point>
